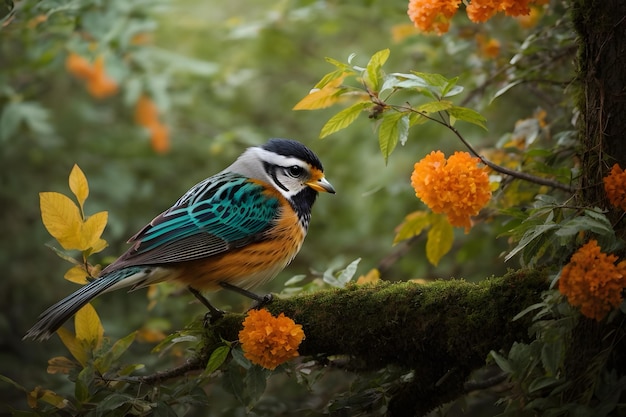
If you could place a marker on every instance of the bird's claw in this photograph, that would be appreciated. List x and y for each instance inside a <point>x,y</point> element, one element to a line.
<point>212,316</point>
<point>262,301</point>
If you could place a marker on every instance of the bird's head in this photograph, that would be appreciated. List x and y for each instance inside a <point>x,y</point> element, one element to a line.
<point>287,165</point>
<point>291,168</point>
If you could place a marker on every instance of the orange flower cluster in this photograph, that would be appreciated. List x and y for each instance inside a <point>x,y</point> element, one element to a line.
<point>432,15</point>
<point>269,341</point>
<point>456,187</point>
<point>147,115</point>
<point>615,187</point>
<point>593,282</point>
<point>483,10</point>
<point>435,15</point>
<point>99,84</point>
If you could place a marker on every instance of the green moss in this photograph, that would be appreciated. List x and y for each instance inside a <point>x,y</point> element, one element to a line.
<point>408,324</point>
<point>442,330</point>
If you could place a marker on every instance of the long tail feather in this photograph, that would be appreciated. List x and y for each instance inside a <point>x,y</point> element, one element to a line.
<point>54,317</point>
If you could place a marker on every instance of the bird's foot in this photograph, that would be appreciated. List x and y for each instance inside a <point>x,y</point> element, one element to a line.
<point>261,302</point>
<point>211,316</point>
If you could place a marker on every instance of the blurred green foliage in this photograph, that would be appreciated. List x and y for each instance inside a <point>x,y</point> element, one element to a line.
<point>225,75</point>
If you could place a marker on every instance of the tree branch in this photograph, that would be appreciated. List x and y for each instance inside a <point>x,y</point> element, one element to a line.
<point>442,331</point>
<point>443,328</point>
<point>502,170</point>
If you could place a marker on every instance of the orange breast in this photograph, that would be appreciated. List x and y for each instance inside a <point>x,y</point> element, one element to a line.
<point>253,264</point>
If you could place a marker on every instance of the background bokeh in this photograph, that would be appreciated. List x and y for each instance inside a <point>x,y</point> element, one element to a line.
<point>225,75</point>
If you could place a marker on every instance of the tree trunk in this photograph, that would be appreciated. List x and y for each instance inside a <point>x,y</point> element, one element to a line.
<point>601,26</point>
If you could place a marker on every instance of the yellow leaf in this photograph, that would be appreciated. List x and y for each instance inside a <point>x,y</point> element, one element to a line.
<point>54,399</point>
<point>77,274</point>
<point>71,343</point>
<point>92,229</point>
<point>62,219</point>
<point>413,224</point>
<point>322,98</point>
<point>60,365</point>
<point>31,397</point>
<point>373,276</point>
<point>98,246</point>
<point>88,326</point>
<point>78,185</point>
<point>440,238</point>
<point>47,396</point>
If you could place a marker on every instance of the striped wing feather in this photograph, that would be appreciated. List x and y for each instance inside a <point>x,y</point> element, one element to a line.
<point>221,213</point>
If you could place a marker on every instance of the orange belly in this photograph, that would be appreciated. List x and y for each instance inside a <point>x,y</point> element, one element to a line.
<point>251,265</point>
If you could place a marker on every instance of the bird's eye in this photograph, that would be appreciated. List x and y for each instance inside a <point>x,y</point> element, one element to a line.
<point>295,171</point>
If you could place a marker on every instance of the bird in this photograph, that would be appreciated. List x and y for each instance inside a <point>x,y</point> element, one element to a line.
<point>234,230</point>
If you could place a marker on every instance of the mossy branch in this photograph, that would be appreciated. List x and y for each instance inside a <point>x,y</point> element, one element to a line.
<point>442,330</point>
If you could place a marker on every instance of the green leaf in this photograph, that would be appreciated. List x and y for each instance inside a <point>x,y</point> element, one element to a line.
<point>393,128</point>
<point>296,279</point>
<point>593,222</point>
<point>343,68</point>
<point>113,402</point>
<point>15,384</point>
<point>528,310</point>
<point>233,381</point>
<point>467,115</point>
<point>240,359</point>
<point>403,129</point>
<point>32,114</point>
<point>435,106</point>
<point>348,272</point>
<point>541,383</point>
<point>81,389</point>
<point>416,119</point>
<point>530,235</point>
<point>505,89</point>
<point>103,363</point>
<point>552,356</point>
<point>374,73</point>
<point>344,118</point>
<point>501,361</point>
<point>162,409</point>
<point>64,256</point>
<point>439,240</point>
<point>341,73</point>
<point>433,80</point>
<point>344,276</point>
<point>451,89</point>
<point>129,369</point>
<point>403,81</point>
<point>217,358</point>
<point>256,381</point>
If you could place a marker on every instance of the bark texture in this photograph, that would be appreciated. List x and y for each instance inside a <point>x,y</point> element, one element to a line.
<point>601,27</point>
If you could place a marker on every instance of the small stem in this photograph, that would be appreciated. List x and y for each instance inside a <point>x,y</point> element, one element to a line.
<point>503,170</point>
<point>194,364</point>
<point>515,174</point>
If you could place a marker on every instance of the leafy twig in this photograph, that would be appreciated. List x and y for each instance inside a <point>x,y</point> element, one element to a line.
<point>503,170</point>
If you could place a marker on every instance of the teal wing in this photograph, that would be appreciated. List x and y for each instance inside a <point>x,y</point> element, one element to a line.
<point>220,213</point>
